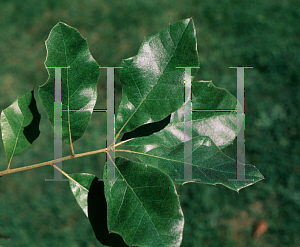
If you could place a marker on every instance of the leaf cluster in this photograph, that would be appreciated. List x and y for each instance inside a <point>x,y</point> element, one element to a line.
<point>140,205</point>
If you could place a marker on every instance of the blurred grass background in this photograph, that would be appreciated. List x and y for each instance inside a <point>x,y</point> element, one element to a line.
<point>262,34</point>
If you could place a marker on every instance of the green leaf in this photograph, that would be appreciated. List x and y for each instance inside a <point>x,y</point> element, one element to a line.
<point>221,126</point>
<point>153,87</point>
<point>67,48</point>
<point>144,206</point>
<point>20,125</point>
<point>80,188</point>
<point>208,162</point>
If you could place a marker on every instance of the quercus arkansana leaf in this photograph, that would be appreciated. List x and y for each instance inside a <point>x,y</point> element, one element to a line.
<point>80,188</point>
<point>220,126</point>
<point>153,87</point>
<point>20,125</point>
<point>143,207</point>
<point>67,48</point>
<point>208,162</point>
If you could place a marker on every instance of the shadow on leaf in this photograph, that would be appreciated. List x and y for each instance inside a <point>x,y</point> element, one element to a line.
<point>97,214</point>
<point>147,129</point>
<point>31,132</point>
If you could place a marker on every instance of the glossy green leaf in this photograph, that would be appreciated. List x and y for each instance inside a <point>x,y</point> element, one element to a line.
<point>20,125</point>
<point>153,87</point>
<point>220,126</point>
<point>80,188</point>
<point>67,48</point>
<point>208,162</point>
<point>143,207</point>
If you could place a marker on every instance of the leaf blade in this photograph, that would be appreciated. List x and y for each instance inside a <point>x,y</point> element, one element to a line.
<point>135,213</point>
<point>20,125</point>
<point>208,162</point>
<point>152,76</point>
<point>67,48</point>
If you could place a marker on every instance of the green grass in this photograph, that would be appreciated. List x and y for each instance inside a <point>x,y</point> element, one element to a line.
<point>262,34</point>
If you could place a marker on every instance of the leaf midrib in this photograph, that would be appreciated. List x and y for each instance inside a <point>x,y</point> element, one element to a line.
<point>170,160</point>
<point>237,188</point>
